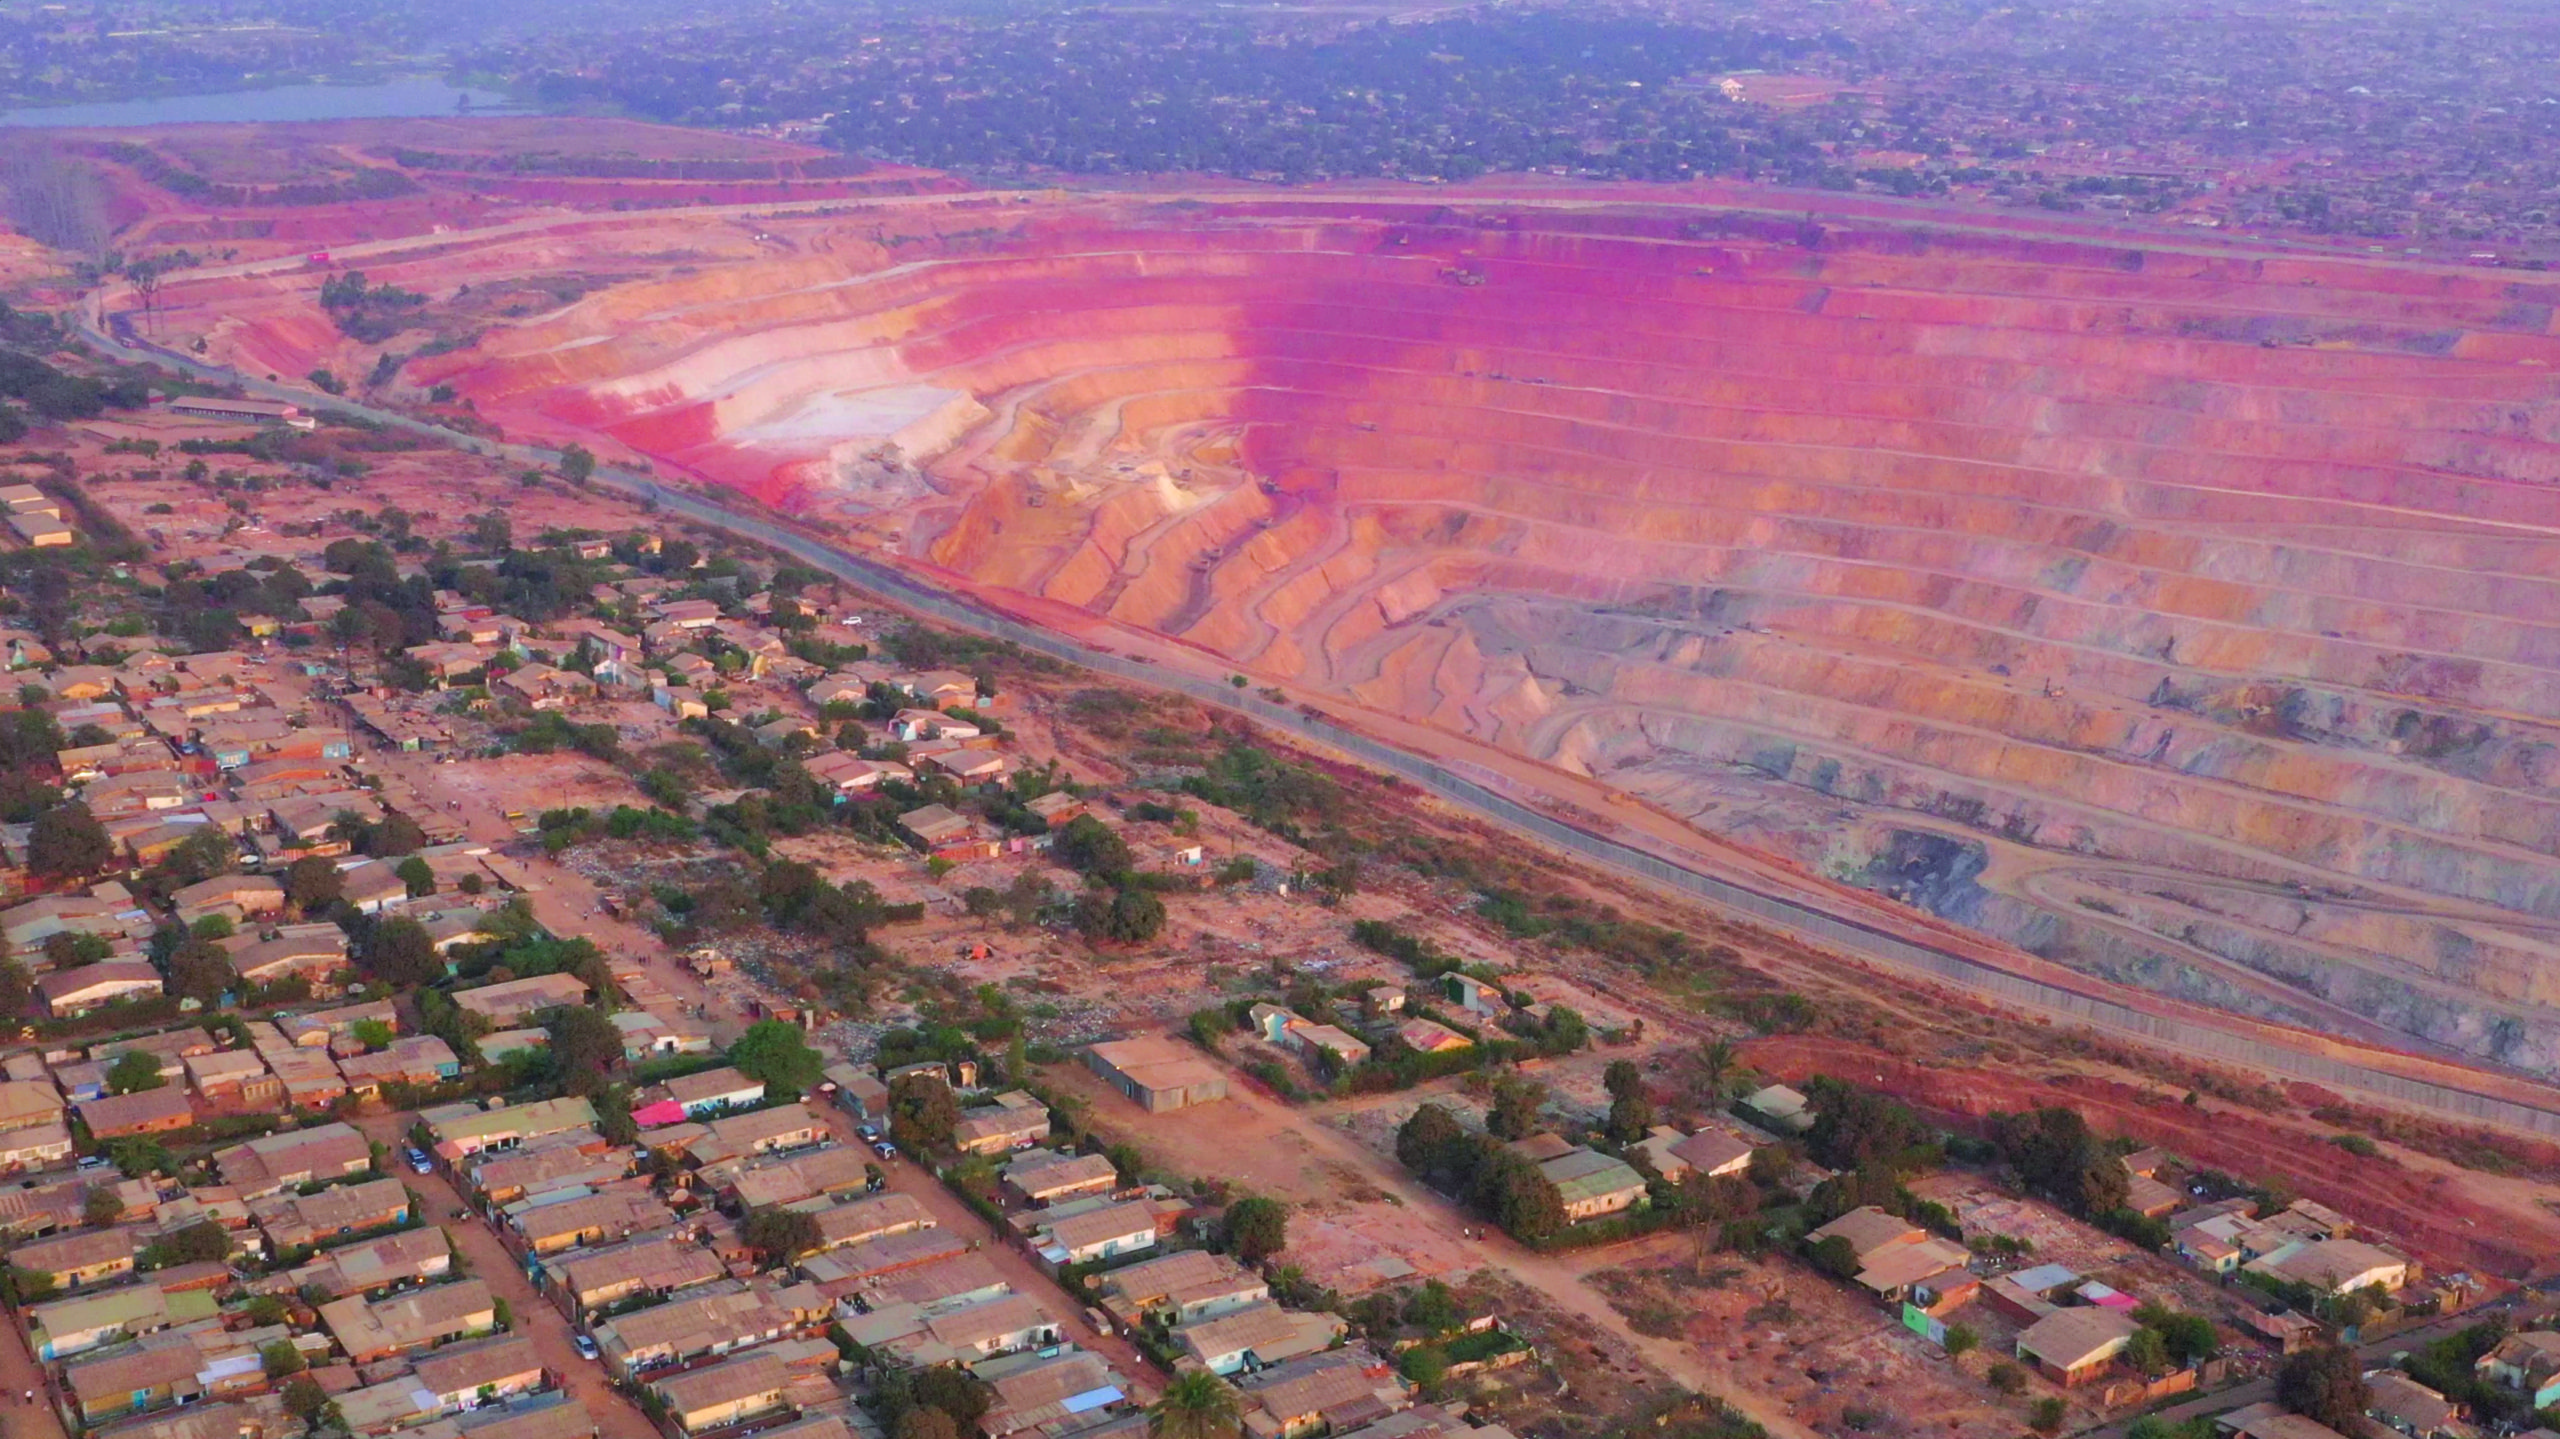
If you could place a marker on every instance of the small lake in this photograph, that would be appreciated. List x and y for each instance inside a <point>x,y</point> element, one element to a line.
<point>388,100</point>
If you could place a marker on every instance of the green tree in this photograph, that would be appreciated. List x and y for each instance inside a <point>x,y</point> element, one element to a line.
<point>418,875</point>
<point>577,463</point>
<point>1424,1141</point>
<point>777,1234</point>
<point>17,989</point>
<point>313,883</point>
<point>1257,1228</point>
<point>1715,1066</point>
<point>1124,916</point>
<point>373,1034</point>
<point>1196,1404</point>
<point>2048,1414</point>
<point>100,1205</point>
<point>1089,846</point>
<point>1962,1340</point>
<point>2324,1384</point>
<point>2188,1338</point>
<point>586,1049</point>
<point>2055,1155</point>
<point>305,1400</point>
<point>281,1359</point>
<point>923,1421</point>
<point>1630,1115</point>
<point>956,1392</point>
<point>1516,1102</point>
<point>68,843</point>
<point>400,953</point>
<point>779,1054</point>
<point>2147,1352</point>
<point>1835,1256</point>
<point>922,1112</point>
<point>133,1071</point>
<point>200,970</point>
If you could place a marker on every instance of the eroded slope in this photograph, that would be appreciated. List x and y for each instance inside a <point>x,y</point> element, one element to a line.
<point>2190,617</point>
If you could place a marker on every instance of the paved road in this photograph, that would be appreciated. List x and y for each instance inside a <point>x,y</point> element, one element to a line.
<point>2246,1046</point>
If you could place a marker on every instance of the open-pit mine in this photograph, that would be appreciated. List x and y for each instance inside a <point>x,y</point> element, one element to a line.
<point>2188,614</point>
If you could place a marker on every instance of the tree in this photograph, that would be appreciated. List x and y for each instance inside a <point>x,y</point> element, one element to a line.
<point>923,1421</point>
<point>133,1071</point>
<point>400,953</point>
<point>68,843</point>
<point>577,463</point>
<point>373,1034</point>
<point>304,1399</point>
<point>71,949</point>
<point>313,883</point>
<point>1715,1065</point>
<point>2055,1155</point>
<point>2324,1384</point>
<point>1709,1202</point>
<point>922,1112</point>
<point>202,1242</point>
<point>1961,1340</point>
<point>396,835</point>
<point>1622,1078</point>
<point>1522,1200</point>
<point>2147,1352</point>
<point>1089,846</point>
<point>1257,1228</point>
<point>1125,916</point>
<point>17,987</point>
<point>1195,1405</point>
<point>200,970</point>
<point>1516,1102</point>
<point>1630,1115</point>
<point>1855,1127</point>
<point>2188,1338</point>
<point>418,875</point>
<point>2047,1416</point>
<point>777,1053</point>
<point>198,857</point>
<point>778,1234</point>
<point>281,1359</point>
<point>585,1047</point>
<point>100,1206</point>
<point>956,1392</point>
<point>1835,1256</point>
<point>1424,1140</point>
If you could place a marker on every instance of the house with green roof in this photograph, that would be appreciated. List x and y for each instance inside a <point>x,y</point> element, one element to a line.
<point>75,1326</point>
<point>1593,1184</point>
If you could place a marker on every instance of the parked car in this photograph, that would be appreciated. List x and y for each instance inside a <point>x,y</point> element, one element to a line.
<point>586,1346</point>
<point>418,1161</point>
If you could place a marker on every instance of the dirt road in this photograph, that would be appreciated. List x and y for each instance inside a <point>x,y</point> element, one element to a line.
<point>583,1379</point>
<point>18,1374</point>
<point>1559,1277</point>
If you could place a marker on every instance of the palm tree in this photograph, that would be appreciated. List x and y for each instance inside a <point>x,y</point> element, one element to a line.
<point>1715,1061</point>
<point>1196,1405</point>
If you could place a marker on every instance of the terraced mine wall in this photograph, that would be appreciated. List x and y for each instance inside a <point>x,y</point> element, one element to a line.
<point>2187,617</point>
<point>2286,1055</point>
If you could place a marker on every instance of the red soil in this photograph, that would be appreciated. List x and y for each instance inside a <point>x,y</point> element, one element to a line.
<point>2425,1206</point>
<point>2207,593</point>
